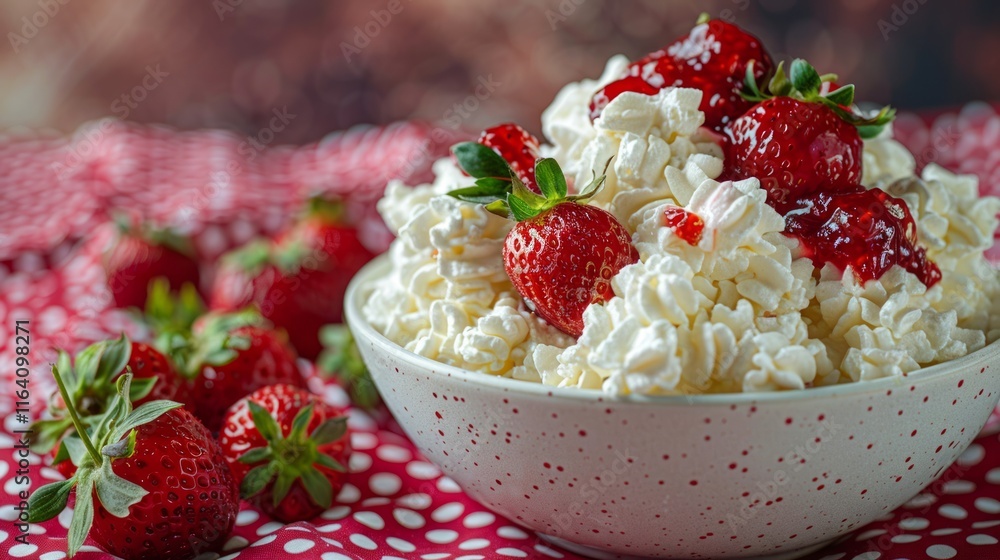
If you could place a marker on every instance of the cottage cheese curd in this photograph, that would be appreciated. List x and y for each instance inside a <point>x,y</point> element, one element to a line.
<point>740,310</point>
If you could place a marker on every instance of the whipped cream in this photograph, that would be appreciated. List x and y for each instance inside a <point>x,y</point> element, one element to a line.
<point>447,296</point>
<point>740,310</point>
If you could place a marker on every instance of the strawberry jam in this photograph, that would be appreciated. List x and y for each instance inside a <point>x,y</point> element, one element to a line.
<point>687,225</point>
<point>518,147</point>
<point>868,230</point>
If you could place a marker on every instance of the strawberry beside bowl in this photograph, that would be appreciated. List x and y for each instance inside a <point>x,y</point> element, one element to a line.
<point>764,475</point>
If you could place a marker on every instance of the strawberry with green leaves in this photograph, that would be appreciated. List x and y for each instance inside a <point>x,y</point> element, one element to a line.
<point>797,141</point>
<point>562,253</point>
<point>298,281</point>
<point>91,382</point>
<point>226,356</point>
<point>288,448</point>
<point>150,483</point>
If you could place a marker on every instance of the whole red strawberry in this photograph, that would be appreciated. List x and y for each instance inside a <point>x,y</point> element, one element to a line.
<point>228,356</point>
<point>714,57</point>
<point>866,230</point>
<point>287,449</point>
<point>795,148</point>
<point>92,386</point>
<point>138,255</point>
<point>518,147</point>
<point>299,281</point>
<point>151,483</point>
<point>561,254</point>
<point>799,142</point>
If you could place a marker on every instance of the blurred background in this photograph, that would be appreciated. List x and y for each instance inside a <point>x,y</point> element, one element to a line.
<point>233,64</point>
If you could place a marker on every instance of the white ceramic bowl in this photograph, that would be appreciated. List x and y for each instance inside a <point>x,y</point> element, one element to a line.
<point>715,476</point>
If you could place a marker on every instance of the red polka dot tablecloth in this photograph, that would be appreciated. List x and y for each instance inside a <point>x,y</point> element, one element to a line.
<point>395,504</point>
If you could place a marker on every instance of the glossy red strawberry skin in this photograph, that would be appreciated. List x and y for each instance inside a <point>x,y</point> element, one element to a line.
<point>193,498</point>
<point>132,262</point>
<point>146,362</point>
<point>239,434</point>
<point>268,361</point>
<point>795,148</point>
<point>867,230</point>
<point>304,300</point>
<point>563,260</point>
<point>518,147</point>
<point>713,57</point>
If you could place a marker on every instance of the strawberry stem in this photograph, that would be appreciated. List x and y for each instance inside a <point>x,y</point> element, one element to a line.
<point>77,423</point>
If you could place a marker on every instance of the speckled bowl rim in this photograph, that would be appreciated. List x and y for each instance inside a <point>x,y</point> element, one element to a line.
<point>363,332</point>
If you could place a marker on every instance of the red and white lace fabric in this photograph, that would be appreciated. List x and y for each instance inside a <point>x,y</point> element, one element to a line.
<point>54,195</point>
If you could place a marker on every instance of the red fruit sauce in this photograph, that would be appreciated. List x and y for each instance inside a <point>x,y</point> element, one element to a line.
<point>518,147</point>
<point>868,230</point>
<point>687,225</point>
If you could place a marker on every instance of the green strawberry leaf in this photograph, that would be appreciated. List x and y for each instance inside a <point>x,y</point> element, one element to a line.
<point>143,415</point>
<point>141,388</point>
<point>113,358</point>
<point>62,454</point>
<point>842,96</point>
<point>779,84</point>
<point>520,209</point>
<point>256,480</point>
<point>550,179</point>
<point>117,495</point>
<point>750,91</point>
<point>264,422</point>
<point>46,502</point>
<point>485,191</point>
<point>256,455</point>
<point>48,433</point>
<point>318,487</point>
<point>479,161</point>
<point>329,431</point>
<point>77,451</point>
<point>83,512</point>
<point>251,257</point>
<point>329,462</point>
<point>282,485</point>
<point>805,78</point>
<point>301,422</point>
<point>86,364</point>
<point>342,360</point>
<point>869,131</point>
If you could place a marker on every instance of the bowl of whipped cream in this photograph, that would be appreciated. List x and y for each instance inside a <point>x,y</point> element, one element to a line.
<point>735,395</point>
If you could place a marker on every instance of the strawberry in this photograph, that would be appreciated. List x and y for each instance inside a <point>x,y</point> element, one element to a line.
<point>342,361</point>
<point>687,225</point>
<point>137,255</point>
<point>518,147</point>
<point>150,482</point>
<point>798,142</point>
<point>561,254</point>
<point>287,448</point>
<point>226,357</point>
<point>92,386</point>
<point>866,230</point>
<point>299,281</point>
<point>714,57</point>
